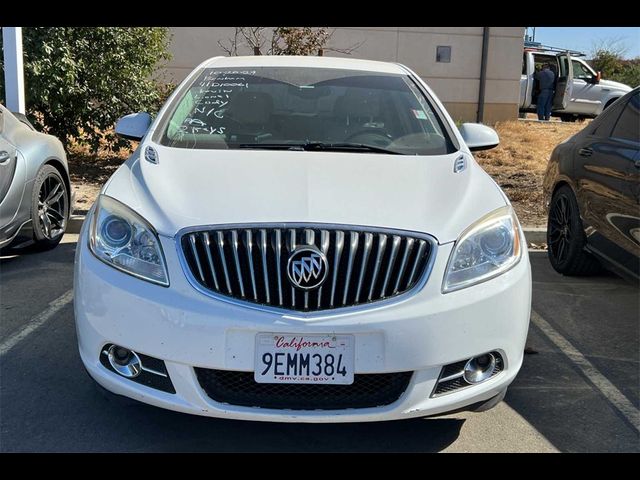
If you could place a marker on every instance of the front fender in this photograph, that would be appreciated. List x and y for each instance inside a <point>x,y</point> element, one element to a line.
<point>559,171</point>
<point>38,149</point>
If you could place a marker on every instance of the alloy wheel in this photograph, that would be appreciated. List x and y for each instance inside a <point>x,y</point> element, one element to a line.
<point>560,235</point>
<point>52,205</point>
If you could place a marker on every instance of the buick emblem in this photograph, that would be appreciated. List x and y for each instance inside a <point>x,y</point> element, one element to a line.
<point>307,268</point>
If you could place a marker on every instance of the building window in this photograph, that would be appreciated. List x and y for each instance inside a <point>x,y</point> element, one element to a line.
<point>443,54</point>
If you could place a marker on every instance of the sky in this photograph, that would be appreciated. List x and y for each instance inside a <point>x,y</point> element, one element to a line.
<point>584,38</point>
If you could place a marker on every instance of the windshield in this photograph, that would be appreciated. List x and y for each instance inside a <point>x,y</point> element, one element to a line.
<point>304,108</point>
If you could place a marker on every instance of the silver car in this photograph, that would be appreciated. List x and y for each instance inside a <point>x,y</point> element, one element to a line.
<point>35,200</point>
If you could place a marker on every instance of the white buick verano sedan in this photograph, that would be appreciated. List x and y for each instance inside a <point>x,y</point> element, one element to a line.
<point>303,239</point>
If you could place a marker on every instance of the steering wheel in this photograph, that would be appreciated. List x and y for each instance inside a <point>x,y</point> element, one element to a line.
<point>375,133</point>
<point>230,122</point>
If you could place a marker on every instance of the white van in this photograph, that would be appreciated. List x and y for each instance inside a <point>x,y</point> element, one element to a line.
<point>580,92</point>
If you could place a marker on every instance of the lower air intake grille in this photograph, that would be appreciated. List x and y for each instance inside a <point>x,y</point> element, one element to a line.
<point>239,388</point>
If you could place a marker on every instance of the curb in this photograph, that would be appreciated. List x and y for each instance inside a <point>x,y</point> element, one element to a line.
<point>535,235</point>
<point>74,224</point>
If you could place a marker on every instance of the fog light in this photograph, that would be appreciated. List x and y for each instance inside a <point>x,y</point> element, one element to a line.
<point>121,355</point>
<point>125,362</point>
<point>479,368</point>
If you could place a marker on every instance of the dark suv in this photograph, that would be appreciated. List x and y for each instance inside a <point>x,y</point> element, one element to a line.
<point>592,190</point>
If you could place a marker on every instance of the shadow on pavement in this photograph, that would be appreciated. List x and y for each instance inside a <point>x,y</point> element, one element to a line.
<point>200,434</point>
<point>599,317</point>
<point>63,253</point>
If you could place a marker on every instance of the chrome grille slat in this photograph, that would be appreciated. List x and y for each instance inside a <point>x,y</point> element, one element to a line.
<point>310,239</point>
<point>336,262</point>
<point>249,250</point>
<point>292,246</point>
<point>368,242</point>
<point>395,244</point>
<point>249,263</point>
<point>277,248</point>
<point>403,264</point>
<point>421,249</point>
<point>382,243</point>
<point>194,250</point>
<point>236,258</point>
<point>353,246</point>
<point>220,238</point>
<point>265,270</point>
<point>325,238</point>
<point>207,244</point>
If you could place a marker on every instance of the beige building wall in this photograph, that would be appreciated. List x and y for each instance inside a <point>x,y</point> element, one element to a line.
<point>456,83</point>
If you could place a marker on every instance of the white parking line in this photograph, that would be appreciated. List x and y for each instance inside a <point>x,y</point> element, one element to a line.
<point>36,322</point>
<point>608,389</point>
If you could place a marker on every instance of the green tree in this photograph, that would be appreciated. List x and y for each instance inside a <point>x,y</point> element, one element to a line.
<point>607,62</point>
<point>80,80</point>
<point>631,73</point>
<point>608,58</point>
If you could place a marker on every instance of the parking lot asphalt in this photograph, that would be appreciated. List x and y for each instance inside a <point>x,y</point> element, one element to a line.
<point>579,391</point>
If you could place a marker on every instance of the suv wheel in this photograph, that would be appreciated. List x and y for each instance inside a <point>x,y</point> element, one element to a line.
<point>568,117</point>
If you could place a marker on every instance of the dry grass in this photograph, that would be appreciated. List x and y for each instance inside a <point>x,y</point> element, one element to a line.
<point>518,164</point>
<point>90,171</point>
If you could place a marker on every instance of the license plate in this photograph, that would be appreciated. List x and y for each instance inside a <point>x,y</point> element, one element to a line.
<point>284,358</point>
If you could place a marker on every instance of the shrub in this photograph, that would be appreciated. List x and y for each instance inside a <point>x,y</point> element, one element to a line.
<point>609,61</point>
<point>80,80</point>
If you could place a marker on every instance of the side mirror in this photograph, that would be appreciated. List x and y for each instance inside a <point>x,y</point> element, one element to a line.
<point>598,78</point>
<point>133,126</point>
<point>478,136</point>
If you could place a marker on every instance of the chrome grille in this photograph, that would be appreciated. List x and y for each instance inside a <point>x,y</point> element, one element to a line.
<point>249,263</point>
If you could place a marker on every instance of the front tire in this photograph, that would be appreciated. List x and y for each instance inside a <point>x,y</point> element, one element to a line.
<point>565,236</point>
<point>49,208</point>
<point>609,103</point>
<point>568,117</point>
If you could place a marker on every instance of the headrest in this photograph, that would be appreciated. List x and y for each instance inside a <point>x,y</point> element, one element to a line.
<point>251,107</point>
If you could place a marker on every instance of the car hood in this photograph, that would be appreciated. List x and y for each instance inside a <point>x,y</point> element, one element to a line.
<point>616,85</point>
<point>204,187</point>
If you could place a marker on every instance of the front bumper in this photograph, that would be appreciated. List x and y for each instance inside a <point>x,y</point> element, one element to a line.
<point>187,329</point>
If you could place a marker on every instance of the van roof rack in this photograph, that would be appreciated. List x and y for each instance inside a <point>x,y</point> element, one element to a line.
<point>548,48</point>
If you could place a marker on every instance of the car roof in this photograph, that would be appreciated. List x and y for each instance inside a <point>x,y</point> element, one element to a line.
<point>305,61</point>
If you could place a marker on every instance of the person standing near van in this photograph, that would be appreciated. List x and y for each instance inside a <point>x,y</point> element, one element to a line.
<point>546,81</point>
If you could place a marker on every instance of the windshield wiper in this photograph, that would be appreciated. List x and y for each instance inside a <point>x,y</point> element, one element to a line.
<point>273,146</point>
<point>320,146</point>
<point>349,147</point>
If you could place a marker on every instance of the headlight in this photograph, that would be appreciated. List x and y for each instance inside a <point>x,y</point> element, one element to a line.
<point>489,247</point>
<point>123,239</point>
